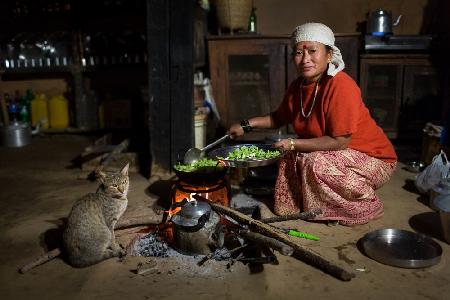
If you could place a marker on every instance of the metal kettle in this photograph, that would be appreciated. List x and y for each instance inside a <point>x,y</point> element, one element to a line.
<point>380,23</point>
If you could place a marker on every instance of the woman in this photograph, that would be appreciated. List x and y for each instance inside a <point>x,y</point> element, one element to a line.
<point>340,156</point>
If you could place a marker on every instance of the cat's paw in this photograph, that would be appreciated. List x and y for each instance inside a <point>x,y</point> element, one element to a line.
<point>119,250</point>
<point>122,253</point>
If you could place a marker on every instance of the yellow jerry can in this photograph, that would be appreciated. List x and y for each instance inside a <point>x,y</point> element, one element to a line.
<point>58,110</point>
<point>39,110</point>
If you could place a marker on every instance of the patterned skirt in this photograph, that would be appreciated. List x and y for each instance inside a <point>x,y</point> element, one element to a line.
<point>341,183</point>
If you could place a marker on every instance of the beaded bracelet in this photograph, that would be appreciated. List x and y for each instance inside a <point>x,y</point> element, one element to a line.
<point>246,126</point>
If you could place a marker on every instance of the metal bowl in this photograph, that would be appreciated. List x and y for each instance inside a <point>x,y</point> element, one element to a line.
<point>401,248</point>
<point>223,152</point>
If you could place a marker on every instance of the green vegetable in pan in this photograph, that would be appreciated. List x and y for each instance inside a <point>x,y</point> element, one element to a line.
<point>202,163</point>
<point>251,153</point>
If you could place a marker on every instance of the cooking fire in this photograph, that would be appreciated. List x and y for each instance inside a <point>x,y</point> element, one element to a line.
<point>199,231</point>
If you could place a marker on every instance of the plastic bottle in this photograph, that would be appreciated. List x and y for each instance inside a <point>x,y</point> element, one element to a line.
<point>13,109</point>
<point>25,106</point>
<point>39,110</point>
<point>252,21</point>
<point>58,110</point>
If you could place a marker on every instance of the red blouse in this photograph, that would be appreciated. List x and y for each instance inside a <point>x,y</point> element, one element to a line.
<point>338,110</point>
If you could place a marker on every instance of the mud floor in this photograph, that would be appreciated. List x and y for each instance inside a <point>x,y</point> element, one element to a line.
<point>39,185</point>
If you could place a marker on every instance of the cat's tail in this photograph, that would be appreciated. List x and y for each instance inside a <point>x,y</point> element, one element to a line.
<point>40,260</point>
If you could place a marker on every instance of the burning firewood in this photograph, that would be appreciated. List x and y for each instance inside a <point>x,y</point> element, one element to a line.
<point>300,252</point>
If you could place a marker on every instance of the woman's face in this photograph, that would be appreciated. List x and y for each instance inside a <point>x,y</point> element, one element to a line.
<point>311,60</point>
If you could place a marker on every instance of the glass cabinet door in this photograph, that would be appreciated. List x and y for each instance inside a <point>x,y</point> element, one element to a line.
<point>248,77</point>
<point>381,89</point>
<point>421,102</point>
<point>248,86</point>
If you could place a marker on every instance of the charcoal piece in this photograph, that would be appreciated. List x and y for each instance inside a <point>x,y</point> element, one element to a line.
<point>151,246</point>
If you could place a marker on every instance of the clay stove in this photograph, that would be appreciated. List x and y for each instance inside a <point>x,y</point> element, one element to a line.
<point>218,191</point>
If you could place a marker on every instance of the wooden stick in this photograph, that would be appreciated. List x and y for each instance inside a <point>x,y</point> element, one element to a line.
<point>267,241</point>
<point>300,252</point>
<point>137,221</point>
<point>118,149</point>
<point>40,260</point>
<point>306,215</point>
<point>97,149</point>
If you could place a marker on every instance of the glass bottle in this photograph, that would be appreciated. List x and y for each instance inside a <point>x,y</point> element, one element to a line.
<point>252,21</point>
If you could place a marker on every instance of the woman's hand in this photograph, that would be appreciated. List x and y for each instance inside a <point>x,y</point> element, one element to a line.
<point>236,130</point>
<point>323,143</point>
<point>285,145</point>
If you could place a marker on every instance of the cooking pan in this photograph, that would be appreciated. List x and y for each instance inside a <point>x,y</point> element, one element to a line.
<point>202,176</point>
<point>223,152</point>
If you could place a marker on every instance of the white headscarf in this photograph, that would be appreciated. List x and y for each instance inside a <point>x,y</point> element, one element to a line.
<point>317,32</point>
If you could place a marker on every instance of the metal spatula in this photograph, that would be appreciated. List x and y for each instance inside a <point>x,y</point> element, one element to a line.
<point>194,154</point>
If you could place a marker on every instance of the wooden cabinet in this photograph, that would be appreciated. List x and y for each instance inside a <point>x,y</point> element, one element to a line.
<point>401,92</point>
<point>251,73</point>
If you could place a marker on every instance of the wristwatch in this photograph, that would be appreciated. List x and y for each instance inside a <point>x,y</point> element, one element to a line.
<point>291,142</point>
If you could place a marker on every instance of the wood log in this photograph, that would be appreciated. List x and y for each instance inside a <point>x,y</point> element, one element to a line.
<point>118,149</point>
<point>40,260</point>
<point>306,215</point>
<point>300,252</point>
<point>97,149</point>
<point>137,221</point>
<point>267,241</point>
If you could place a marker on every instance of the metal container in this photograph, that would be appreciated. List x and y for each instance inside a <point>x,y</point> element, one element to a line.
<point>380,23</point>
<point>401,248</point>
<point>196,229</point>
<point>250,163</point>
<point>192,214</point>
<point>17,134</point>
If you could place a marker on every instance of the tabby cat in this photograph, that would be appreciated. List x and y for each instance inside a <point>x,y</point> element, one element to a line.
<point>89,233</point>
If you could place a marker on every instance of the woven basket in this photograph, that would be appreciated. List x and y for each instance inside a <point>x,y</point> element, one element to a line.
<point>233,14</point>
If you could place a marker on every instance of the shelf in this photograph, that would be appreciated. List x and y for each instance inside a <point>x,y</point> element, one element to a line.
<point>71,68</point>
<point>67,69</point>
<point>68,130</point>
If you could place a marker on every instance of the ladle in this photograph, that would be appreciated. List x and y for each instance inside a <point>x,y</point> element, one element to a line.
<point>194,154</point>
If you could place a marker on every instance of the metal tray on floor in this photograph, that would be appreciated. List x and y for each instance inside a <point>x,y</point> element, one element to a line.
<point>401,248</point>
<point>223,152</point>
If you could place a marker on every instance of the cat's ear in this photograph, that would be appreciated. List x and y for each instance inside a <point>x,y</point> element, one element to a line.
<point>124,170</point>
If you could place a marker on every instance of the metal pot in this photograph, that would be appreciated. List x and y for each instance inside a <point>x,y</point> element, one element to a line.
<point>17,134</point>
<point>196,228</point>
<point>380,23</point>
